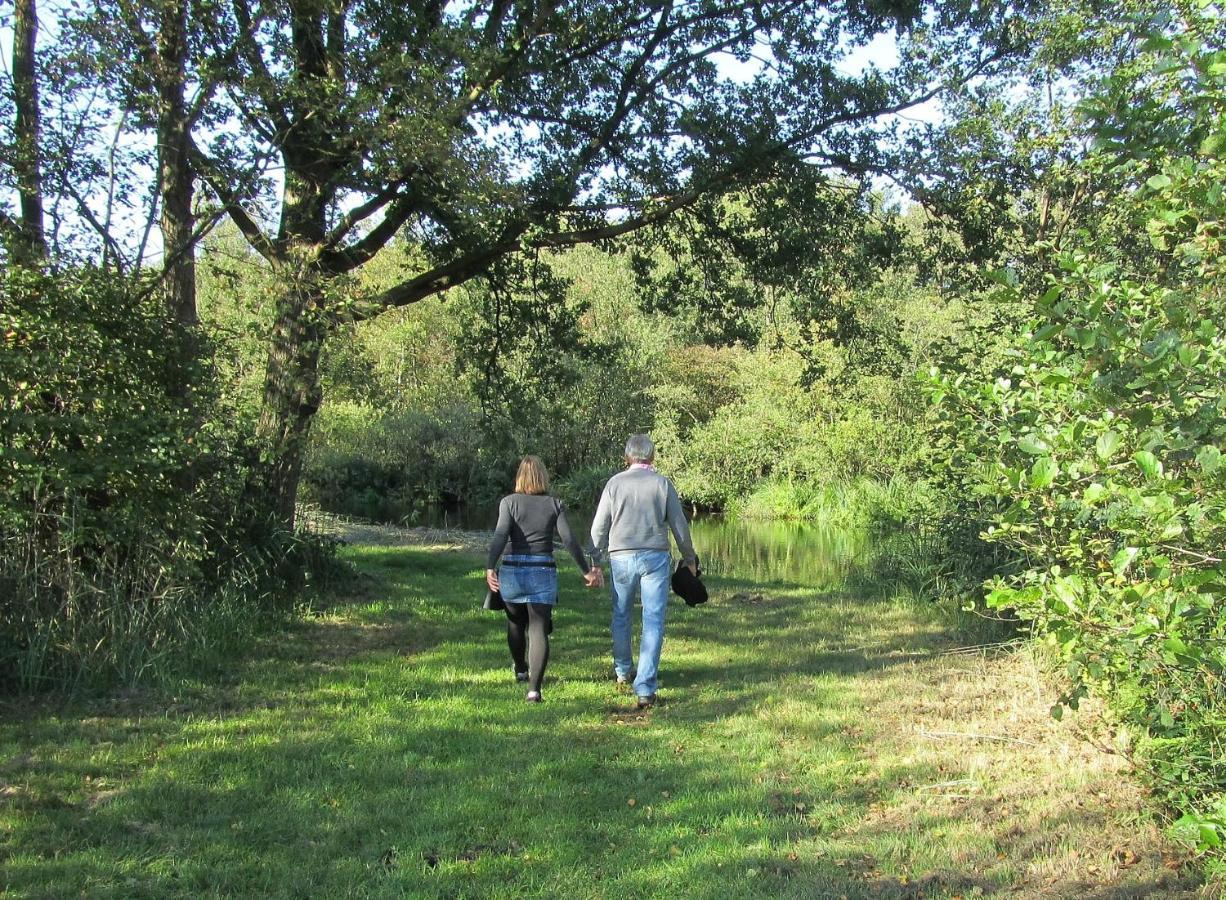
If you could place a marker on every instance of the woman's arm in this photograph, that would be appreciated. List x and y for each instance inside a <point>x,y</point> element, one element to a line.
<point>501,531</point>
<point>568,539</point>
<point>592,575</point>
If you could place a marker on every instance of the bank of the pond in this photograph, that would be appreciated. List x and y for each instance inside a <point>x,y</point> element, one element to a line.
<point>857,503</point>
<point>811,742</point>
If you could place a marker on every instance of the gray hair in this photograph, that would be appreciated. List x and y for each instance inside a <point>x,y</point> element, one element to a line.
<point>640,448</point>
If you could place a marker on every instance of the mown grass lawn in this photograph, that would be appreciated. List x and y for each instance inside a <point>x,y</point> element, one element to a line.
<point>810,743</point>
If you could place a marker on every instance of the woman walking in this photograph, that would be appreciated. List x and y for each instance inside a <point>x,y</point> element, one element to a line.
<point>528,578</point>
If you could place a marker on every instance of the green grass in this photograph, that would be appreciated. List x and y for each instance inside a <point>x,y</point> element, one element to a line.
<point>384,750</point>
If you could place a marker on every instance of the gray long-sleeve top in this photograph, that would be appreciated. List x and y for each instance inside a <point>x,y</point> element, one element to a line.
<point>637,510</point>
<point>528,522</point>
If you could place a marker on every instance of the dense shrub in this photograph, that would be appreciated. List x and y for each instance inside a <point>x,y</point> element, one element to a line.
<point>121,545</point>
<point>841,449</point>
<point>389,465</point>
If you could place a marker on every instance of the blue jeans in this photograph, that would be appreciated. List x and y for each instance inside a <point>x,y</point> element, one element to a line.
<point>647,572</point>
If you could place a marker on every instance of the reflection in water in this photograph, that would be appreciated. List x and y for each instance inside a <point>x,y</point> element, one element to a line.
<point>731,548</point>
<point>776,551</point>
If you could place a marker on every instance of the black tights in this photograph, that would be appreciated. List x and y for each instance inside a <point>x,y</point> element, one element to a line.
<point>529,624</point>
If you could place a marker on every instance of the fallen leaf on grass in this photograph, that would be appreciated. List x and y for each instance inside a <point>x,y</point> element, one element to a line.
<point>1125,856</point>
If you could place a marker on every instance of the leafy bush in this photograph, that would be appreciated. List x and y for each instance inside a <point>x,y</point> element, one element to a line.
<point>389,466</point>
<point>95,423</point>
<point>1103,435</point>
<point>842,449</point>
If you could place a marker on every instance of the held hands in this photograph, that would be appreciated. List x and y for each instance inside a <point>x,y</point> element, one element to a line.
<point>594,577</point>
<point>491,578</point>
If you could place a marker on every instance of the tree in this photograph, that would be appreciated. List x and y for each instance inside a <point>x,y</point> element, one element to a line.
<point>175,174</point>
<point>328,128</point>
<point>28,240</point>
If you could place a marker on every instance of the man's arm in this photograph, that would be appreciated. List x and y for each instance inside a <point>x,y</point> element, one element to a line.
<point>675,516</point>
<point>602,522</point>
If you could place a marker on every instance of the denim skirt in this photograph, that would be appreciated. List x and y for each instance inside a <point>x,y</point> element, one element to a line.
<point>523,582</point>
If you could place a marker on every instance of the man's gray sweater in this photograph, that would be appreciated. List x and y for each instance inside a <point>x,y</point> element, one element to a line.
<point>637,509</point>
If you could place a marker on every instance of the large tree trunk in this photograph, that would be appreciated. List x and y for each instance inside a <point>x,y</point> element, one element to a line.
<point>176,177</point>
<point>26,125</point>
<point>292,391</point>
<point>291,397</point>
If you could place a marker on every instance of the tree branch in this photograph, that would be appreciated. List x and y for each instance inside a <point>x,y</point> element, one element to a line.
<point>349,258</point>
<point>112,248</point>
<point>232,204</point>
<point>261,77</point>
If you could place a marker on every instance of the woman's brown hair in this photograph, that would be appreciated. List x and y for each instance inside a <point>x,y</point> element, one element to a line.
<point>532,477</point>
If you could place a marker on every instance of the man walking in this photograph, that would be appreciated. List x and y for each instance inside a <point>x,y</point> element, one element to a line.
<point>636,512</point>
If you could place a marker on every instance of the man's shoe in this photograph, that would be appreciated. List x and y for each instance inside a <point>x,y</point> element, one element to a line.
<point>533,697</point>
<point>521,676</point>
<point>623,679</point>
<point>647,702</point>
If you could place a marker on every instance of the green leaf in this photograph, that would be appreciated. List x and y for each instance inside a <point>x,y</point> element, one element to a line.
<point>1043,473</point>
<point>1033,445</point>
<point>1093,493</point>
<point>1214,145</point>
<point>1158,182</point>
<point>1051,295</point>
<point>1147,463</point>
<point>1198,830</point>
<point>1107,444</point>
<point>1209,458</point>
<point>1175,646</point>
<point>1123,559</point>
<point>1172,529</point>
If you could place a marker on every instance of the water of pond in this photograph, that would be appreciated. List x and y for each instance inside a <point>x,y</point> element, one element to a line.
<point>755,550</point>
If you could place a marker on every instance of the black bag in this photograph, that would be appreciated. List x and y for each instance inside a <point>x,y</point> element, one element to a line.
<point>493,601</point>
<point>687,585</point>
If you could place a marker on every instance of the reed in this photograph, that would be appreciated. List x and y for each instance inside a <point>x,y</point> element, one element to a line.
<point>79,612</point>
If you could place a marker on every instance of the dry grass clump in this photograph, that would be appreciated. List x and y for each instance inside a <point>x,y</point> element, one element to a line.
<point>1067,818</point>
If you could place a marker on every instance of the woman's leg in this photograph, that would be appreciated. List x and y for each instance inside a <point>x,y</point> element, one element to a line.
<point>540,623</point>
<point>517,637</point>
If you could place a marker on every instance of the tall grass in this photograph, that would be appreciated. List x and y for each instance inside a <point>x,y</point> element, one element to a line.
<point>76,614</point>
<point>859,503</point>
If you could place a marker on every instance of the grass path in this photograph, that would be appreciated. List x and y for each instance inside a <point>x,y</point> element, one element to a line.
<point>808,745</point>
